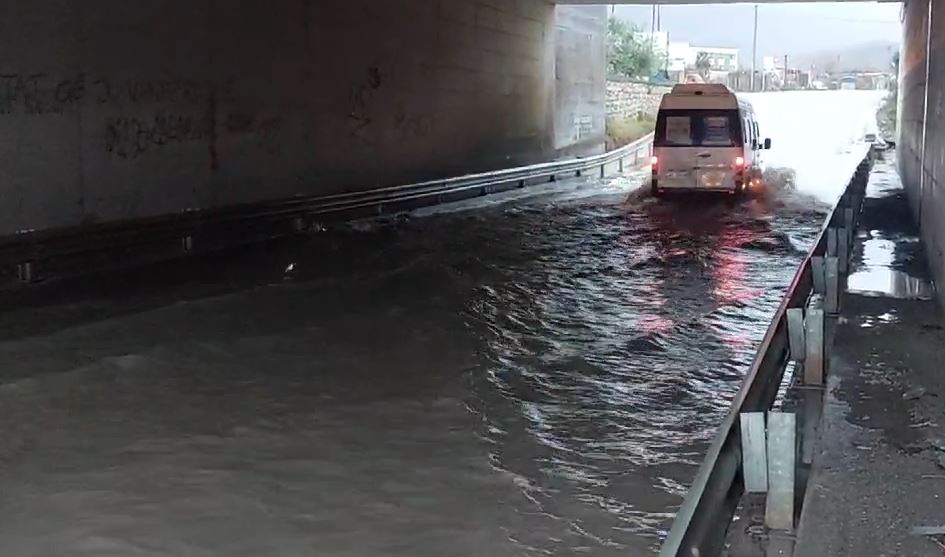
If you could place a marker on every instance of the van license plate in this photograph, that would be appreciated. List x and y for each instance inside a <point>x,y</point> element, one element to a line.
<point>713,179</point>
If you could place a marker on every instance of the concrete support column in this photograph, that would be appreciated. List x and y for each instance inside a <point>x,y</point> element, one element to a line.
<point>580,75</point>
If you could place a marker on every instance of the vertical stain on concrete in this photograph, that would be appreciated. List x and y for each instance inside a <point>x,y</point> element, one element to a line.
<point>80,145</point>
<point>212,109</point>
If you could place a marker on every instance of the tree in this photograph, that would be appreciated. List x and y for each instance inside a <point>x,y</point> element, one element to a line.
<point>628,53</point>
<point>887,115</point>
<point>703,65</point>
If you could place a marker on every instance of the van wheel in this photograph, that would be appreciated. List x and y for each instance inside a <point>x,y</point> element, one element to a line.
<point>739,191</point>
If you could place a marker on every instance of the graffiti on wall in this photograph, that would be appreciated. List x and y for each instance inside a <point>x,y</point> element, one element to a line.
<point>40,93</point>
<point>140,116</point>
<point>140,124</point>
<point>129,137</point>
<point>362,97</point>
<point>363,111</point>
<point>30,93</point>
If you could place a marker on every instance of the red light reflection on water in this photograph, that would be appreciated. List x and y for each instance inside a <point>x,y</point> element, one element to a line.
<point>730,276</point>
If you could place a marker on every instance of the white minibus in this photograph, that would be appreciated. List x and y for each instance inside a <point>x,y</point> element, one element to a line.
<point>707,139</point>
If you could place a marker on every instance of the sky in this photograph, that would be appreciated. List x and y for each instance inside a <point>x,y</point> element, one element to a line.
<point>782,28</point>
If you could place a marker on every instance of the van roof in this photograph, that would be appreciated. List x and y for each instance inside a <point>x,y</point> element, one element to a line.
<point>702,96</point>
<point>700,89</point>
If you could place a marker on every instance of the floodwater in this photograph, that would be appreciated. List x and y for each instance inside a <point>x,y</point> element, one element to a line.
<point>509,376</point>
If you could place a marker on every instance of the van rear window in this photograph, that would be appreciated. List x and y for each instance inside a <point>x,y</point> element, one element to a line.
<point>698,128</point>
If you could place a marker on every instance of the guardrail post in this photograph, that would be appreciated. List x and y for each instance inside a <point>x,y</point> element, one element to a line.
<point>620,164</point>
<point>795,322</point>
<point>832,280</point>
<point>814,343</point>
<point>843,249</point>
<point>782,448</point>
<point>754,452</point>
<point>817,275</point>
<point>857,203</point>
<point>187,244</point>
<point>848,221</point>
<point>813,409</point>
<point>831,242</point>
<point>602,167</point>
<point>24,271</point>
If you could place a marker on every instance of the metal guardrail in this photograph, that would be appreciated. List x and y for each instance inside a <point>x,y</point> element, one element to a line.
<point>33,255</point>
<point>702,522</point>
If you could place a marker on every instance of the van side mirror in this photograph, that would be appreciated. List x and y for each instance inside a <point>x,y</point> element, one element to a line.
<point>767,143</point>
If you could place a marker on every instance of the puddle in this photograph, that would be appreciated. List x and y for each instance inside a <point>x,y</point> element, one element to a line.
<point>878,252</point>
<point>883,319</point>
<point>883,281</point>
<point>880,272</point>
<point>882,184</point>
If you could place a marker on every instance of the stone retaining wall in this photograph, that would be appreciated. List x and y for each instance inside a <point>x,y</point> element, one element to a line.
<point>628,99</point>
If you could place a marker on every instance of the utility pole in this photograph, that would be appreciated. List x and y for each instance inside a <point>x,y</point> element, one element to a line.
<point>785,70</point>
<point>653,31</point>
<point>659,15</point>
<point>666,58</point>
<point>754,50</point>
<point>652,26</point>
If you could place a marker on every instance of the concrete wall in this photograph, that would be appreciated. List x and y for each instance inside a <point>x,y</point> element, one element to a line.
<point>114,109</point>
<point>924,180</point>
<point>580,78</point>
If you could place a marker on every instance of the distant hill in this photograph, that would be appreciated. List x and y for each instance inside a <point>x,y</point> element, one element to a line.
<point>868,56</point>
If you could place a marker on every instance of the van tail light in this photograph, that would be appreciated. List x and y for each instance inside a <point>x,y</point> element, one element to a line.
<point>739,162</point>
<point>654,162</point>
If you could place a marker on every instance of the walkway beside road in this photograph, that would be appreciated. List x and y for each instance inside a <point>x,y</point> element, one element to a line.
<point>878,475</point>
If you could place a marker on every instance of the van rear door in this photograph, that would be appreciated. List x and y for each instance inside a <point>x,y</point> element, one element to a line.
<point>698,146</point>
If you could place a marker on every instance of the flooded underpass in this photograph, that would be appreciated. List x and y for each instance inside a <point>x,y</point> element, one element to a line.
<point>537,375</point>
